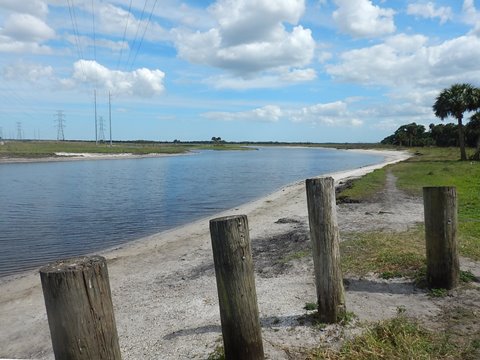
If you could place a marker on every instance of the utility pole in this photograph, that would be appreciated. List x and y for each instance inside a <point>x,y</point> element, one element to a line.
<point>60,121</point>
<point>95,103</point>
<point>101,129</point>
<point>110,115</point>
<point>1,133</point>
<point>19,131</point>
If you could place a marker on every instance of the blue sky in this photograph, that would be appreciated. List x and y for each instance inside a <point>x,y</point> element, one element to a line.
<point>255,70</point>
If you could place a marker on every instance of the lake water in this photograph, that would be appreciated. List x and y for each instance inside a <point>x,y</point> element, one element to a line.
<point>61,209</point>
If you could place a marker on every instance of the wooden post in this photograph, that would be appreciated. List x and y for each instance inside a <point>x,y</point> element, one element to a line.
<point>79,309</point>
<point>440,205</point>
<point>322,216</point>
<point>242,337</point>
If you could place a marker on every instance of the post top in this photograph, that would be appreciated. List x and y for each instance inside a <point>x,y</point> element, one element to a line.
<point>228,218</point>
<point>74,264</point>
<point>320,179</point>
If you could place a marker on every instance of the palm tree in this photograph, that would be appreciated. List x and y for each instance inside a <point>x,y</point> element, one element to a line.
<point>474,125</point>
<point>454,101</point>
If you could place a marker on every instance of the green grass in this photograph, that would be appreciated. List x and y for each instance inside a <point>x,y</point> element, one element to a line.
<point>387,254</point>
<point>467,276</point>
<point>397,338</point>
<point>438,293</point>
<point>435,167</point>
<point>365,187</point>
<point>217,354</point>
<point>37,149</point>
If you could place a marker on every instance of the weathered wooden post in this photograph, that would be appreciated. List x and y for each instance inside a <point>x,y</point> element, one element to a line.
<point>79,309</point>
<point>242,337</point>
<point>322,216</point>
<point>440,205</point>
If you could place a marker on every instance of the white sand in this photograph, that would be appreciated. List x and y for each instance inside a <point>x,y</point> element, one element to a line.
<point>164,290</point>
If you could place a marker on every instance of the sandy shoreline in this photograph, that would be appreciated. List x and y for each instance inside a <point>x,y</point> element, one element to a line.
<point>84,156</point>
<point>165,282</point>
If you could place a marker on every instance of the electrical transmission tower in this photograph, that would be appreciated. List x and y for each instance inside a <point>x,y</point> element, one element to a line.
<point>19,131</point>
<point>60,122</point>
<point>101,129</point>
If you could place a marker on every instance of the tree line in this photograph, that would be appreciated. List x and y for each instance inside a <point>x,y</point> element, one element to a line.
<point>451,102</point>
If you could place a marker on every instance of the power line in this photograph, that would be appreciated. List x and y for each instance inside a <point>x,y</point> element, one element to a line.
<point>144,32</point>
<point>136,33</point>
<point>94,35</point>
<point>73,19</point>
<point>60,121</point>
<point>124,34</point>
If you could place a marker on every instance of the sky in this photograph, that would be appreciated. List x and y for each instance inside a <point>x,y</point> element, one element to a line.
<point>242,70</point>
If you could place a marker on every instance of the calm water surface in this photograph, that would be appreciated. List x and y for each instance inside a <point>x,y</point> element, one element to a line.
<point>60,209</point>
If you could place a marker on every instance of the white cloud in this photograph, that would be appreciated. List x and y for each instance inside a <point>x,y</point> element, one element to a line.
<point>330,114</point>
<point>250,37</point>
<point>297,75</point>
<point>36,8</point>
<point>333,114</point>
<point>262,81</point>
<point>25,71</point>
<point>430,11</point>
<point>26,28</point>
<point>268,113</point>
<point>141,82</point>
<point>113,20</point>
<point>84,42</point>
<point>25,33</point>
<point>471,15</point>
<point>363,19</point>
<point>324,56</point>
<point>247,21</point>
<point>9,45</point>
<point>404,60</point>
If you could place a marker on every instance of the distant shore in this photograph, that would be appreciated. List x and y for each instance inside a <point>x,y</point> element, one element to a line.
<point>83,156</point>
<point>165,281</point>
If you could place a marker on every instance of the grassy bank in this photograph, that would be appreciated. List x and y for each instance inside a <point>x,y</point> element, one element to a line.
<point>389,254</point>
<point>434,167</point>
<point>39,149</point>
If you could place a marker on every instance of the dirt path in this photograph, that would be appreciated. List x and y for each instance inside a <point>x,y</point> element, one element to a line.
<point>390,209</point>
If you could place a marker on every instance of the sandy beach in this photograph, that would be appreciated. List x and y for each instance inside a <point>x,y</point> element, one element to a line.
<point>164,289</point>
<point>64,156</point>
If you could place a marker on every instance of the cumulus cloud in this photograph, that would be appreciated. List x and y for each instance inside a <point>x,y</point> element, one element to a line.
<point>9,45</point>
<point>30,72</point>
<point>112,20</point>
<point>250,37</point>
<point>333,114</point>
<point>26,28</point>
<point>261,81</point>
<point>408,60</point>
<point>84,42</point>
<point>471,15</point>
<point>36,8</point>
<point>141,82</point>
<point>430,11</point>
<point>363,19</point>
<point>248,21</point>
<point>268,113</point>
<point>25,33</point>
